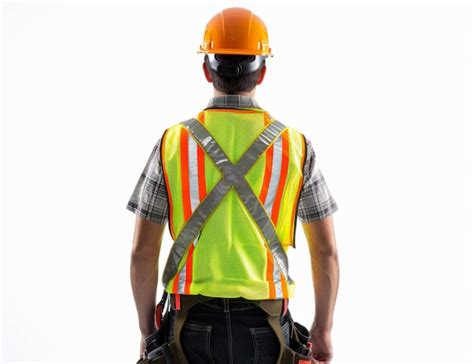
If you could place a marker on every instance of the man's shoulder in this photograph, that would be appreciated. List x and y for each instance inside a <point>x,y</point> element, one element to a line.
<point>173,127</point>
<point>293,130</point>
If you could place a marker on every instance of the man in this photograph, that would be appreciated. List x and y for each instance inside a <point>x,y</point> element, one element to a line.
<point>230,183</point>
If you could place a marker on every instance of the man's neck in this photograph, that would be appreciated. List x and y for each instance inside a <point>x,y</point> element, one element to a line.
<point>250,93</point>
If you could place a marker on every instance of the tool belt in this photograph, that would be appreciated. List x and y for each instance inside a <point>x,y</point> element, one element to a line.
<point>159,351</point>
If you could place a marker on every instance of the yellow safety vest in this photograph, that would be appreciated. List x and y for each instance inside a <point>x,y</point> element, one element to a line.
<point>233,178</point>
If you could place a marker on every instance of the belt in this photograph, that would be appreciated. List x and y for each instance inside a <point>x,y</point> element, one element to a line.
<point>179,301</point>
<point>221,305</point>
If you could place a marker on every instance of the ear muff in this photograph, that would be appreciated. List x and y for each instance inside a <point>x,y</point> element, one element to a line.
<point>228,68</point>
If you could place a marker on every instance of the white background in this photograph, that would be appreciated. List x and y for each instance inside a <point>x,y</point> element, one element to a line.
<point>384,92</point>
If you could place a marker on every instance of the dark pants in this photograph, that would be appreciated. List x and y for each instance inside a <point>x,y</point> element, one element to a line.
<point>231,331</point>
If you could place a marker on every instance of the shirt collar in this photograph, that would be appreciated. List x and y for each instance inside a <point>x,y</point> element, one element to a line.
<point>232,102</point>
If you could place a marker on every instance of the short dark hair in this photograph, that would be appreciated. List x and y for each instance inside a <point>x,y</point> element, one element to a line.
<point>241,83</point>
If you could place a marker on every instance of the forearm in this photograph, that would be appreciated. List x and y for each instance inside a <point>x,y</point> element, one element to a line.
<point>325,273</point>
<point>144,279</point>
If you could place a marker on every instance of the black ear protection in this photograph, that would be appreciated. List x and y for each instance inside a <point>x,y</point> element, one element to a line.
<point>228,68</point>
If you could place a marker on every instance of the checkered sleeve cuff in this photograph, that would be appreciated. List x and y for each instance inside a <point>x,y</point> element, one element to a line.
<point>316,201</point>
<point>149,199</point>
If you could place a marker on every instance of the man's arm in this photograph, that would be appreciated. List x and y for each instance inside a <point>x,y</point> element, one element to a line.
<point>325,272</point>
<point>144,270</point>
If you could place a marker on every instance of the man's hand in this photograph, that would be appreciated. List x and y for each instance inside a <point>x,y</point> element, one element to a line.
<point>322,346</point>
<point>144,273</point>
<point>142,347</point>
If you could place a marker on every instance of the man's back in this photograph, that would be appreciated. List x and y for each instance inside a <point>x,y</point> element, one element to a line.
<point>230,183</point>
<point>237,252</point>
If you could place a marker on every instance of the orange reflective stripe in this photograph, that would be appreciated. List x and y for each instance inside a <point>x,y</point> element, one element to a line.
<point>271,283</point>
<point>283,173</point>
<point>284,287</point>
<point>267,175</point>
<point>175,283</point>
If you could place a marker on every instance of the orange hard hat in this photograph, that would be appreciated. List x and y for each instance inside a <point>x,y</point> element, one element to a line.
<point>236,31</point>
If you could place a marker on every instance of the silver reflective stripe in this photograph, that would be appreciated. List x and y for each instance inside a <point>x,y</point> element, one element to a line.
<point>193,173</point>
<point>233,176</point>
<point>275,176</point>
<point>278,283</point>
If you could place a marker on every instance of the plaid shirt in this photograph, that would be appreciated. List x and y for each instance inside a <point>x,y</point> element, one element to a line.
<point>149,199</point>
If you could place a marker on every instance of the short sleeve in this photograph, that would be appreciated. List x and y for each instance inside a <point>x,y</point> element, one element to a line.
<point>316,201</point>
<point>149,199</point>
